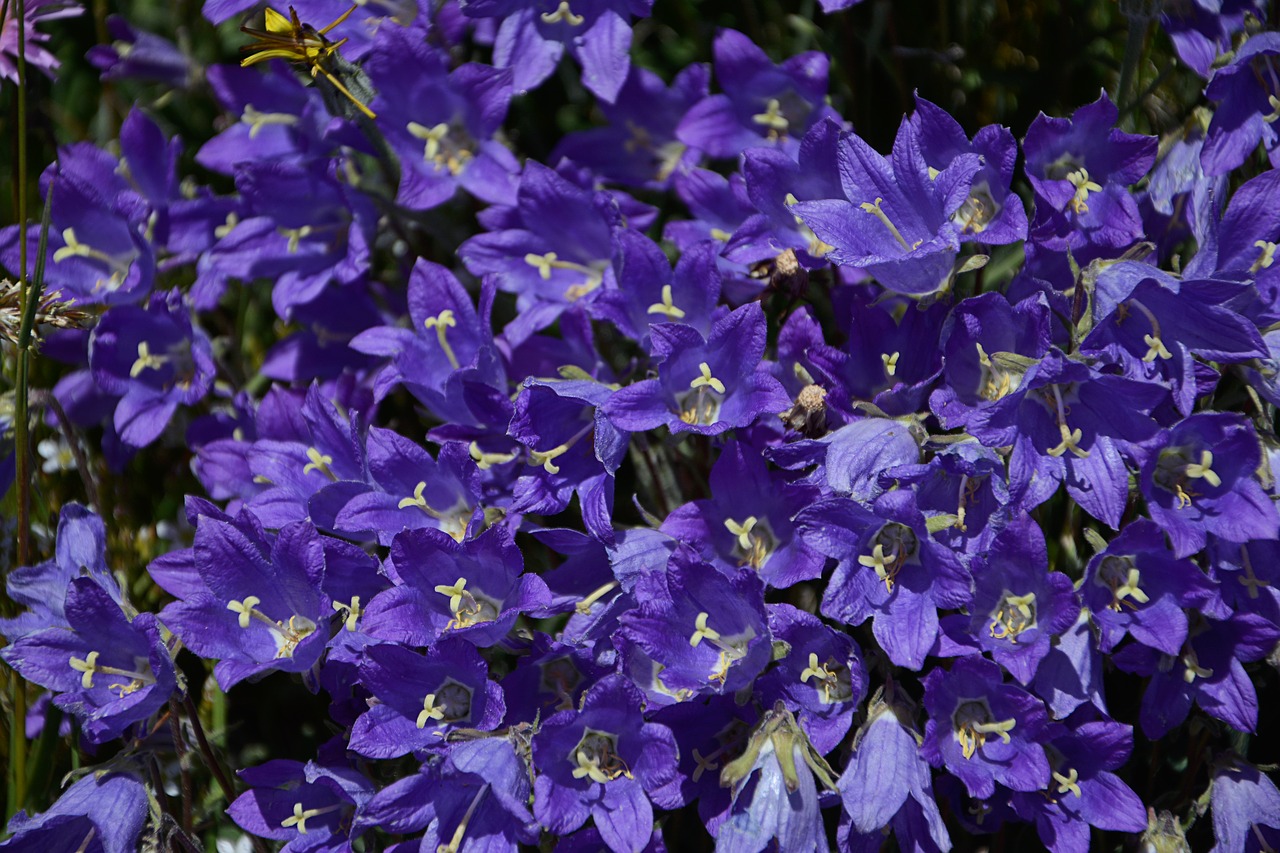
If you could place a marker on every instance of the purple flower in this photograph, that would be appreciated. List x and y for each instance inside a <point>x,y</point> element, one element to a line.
<point>1245,805</point>
<point>992,214</point>
<point>441,123</point>
<point>418,700</point>
<point>155,359</point>
<point>478,797</point>
<point>261,607</point>
<point>821,679</point>
<point>1018,606</point>
<point>1152,327</point>
<point>42,589</point>
<point>534,34</point>
<point>696,630</point>
<point>1248,95</point>
<point>747,521</point>
<point>1083,792</point>
<point>36,55</point>
<point>572,448</point>
<point>1081,168</point>
<point>890,568</point>
<point>706,386</point>
<point>984,731</point>
<point>898,217</point>
<point>472,589</point>
<point>140,55</point>
<point>762,104</point>
<point>1136,587</point>
<point>414,490</point>
<point>310,805</point>
<point>1202,30</point>
<point>887,782</point>
<point>639,147</point>
<point>109,670</point>
<point>553,250</point>
<point>1199,479</point>
<point>1065,421</point>
<point>1208,671</point>
<point>104,813</point>
<point>603,761</point>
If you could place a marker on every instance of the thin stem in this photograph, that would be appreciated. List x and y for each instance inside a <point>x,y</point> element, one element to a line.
<point>219,772</point>
<point>1134,48</point>
<point>181,749</point>
<point>17,724</point>
<point>92,490</point>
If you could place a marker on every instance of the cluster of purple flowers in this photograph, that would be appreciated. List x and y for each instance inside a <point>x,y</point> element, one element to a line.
<point>816,417</point>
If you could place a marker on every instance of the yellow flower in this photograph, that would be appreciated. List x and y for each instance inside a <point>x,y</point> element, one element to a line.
<point>289,38</point>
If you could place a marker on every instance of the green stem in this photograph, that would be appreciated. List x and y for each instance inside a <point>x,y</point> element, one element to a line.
<point>1135,44</point>
<point>17,722</point>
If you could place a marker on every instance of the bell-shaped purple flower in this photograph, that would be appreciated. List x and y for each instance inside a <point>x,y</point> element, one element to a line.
<point>1137,587</point>
<point>706,385</point>
<point>984,731</point>
<point>472,589</point>
<point>1247,92</point>
<point>1200,478</point>
<point>420,699</point>
<point>155,359</point>
<point>109,670</point>
<point>1018,606</point>
<point>309,806</point>
<point>1246,807</point>
<point>261,607</point>
<point>762,104</point>
<point>102,813</point>
<point>889,568</point>
<point>603,761</point>
<point>700,631</point>
<point>441,123</point>
<point>897,219</point>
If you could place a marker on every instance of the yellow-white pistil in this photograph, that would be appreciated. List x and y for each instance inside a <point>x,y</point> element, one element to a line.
<point>88,667</point>
<point>549,261</point>
<point>1080,180</point>
<point>666,307</point>
<point>320,463</point>
<point>563,13</point>
<point>1013,615</point>
<point>468,607</point>
<point>287,635</point>
<point>596,757</point>
<point>442,323</point>
<point>972,723</point>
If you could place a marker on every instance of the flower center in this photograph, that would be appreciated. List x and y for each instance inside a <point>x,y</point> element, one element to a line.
<point>1121,576</point>
<point>754,540</point>
<point>666,306</point>
<point>444,150</point>
<point>88,666</point>
<point>1080,180</point>
<point>596,757</point>
<point>468,608</point>
<point>973,721</point>
<point>891,548</point>
<point>287,634</point>
<point>831,679</point>
<point>1175,473</point>
<point>449,703</point>
<point>1013,615</point>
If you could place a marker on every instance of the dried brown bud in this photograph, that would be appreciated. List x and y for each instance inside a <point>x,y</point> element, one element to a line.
<point>788,276</point>
<point>51,312</point>
<point>809,415</point>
